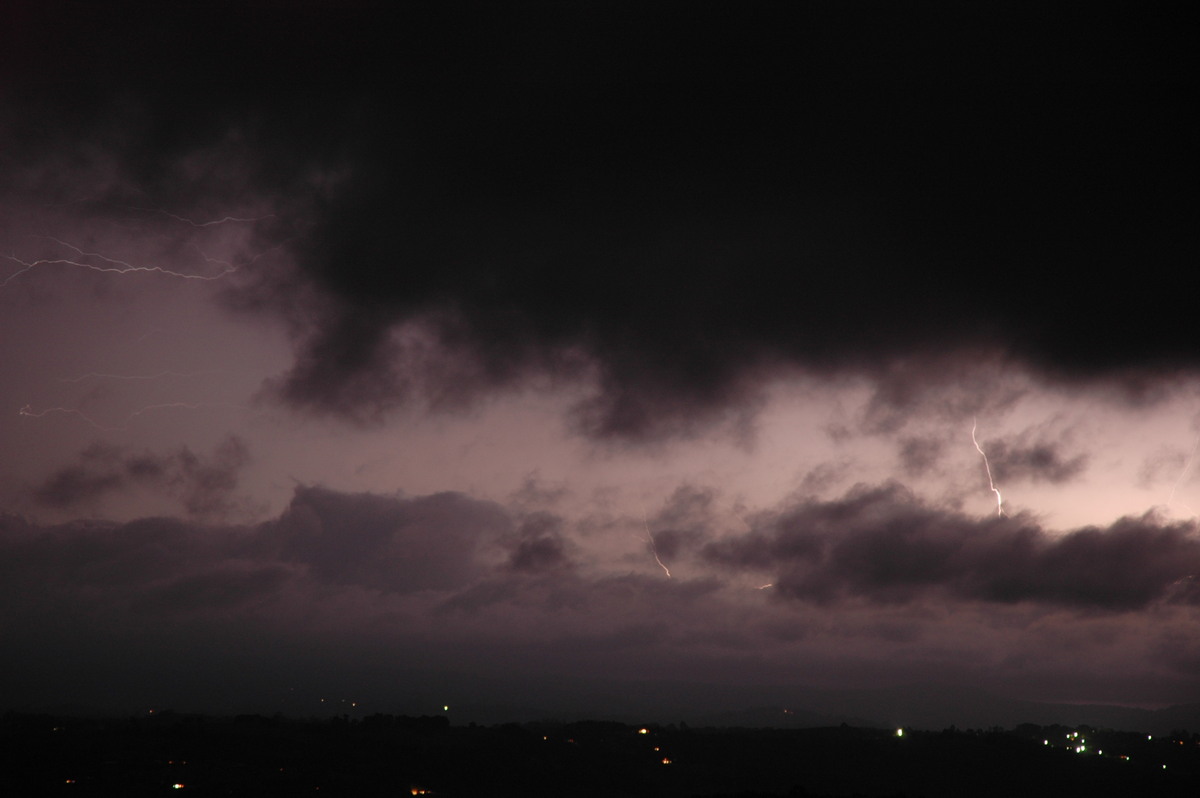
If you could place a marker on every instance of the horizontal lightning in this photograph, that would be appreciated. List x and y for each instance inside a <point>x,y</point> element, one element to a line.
<point>29,412</point>
<point>111,266</point>
<point>212,223</point>
<point>92,375</point>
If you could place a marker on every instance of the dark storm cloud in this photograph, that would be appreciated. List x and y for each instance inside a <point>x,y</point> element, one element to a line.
<point>684,521</point>
<point>884,545</point>
<point>920,454</point>
<point>227,587</point>
<point>74,484</point>
<point>538,544</point>
<point>205,485</point>
<point>536,492</point>
<point>165,567</point>
<point>1037,462</point>
<point>823,476</point>
<point>597,600</point>
<point>467,556</point>
<point>386,543</point>
<point>827,187</point>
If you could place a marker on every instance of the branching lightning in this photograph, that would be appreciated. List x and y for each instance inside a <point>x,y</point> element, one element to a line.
<point>229,267</point>
<point>29,412</point>
<point>77,257</point>
<point>171,406</point>
<point>111,266</point>
<point>988,468</point>
<point>212,223</point>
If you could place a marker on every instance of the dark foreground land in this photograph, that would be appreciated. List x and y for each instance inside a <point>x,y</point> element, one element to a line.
<point>382,755</point>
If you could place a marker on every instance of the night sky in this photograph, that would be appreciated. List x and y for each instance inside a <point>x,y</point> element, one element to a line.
<point>512,354</point>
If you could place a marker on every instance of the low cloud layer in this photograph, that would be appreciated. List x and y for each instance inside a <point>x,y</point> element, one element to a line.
<point>885,545</point>
<point>876,576</point>
<point>205,486</point>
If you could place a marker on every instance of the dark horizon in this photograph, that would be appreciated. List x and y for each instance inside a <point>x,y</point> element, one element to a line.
<point>927,707</point>
<point>383,754</point>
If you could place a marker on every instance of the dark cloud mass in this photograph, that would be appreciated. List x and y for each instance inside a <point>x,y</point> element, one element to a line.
<point>384,543</point>
<point>919,455</point>
<point>885,545</point>
<point>205,486</point>
<point>1035,462</point>
<point>114,573</point>
<point>830,186</point>
<point>538,544</point>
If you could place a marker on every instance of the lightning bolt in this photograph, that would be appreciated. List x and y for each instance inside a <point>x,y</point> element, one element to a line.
<point>988,468</point>
<point>92,375</point>
<point>654,548</point>
<point>229,267</point>
<point>112,266</point>
<point>29,412</point>
<point>213,223</point>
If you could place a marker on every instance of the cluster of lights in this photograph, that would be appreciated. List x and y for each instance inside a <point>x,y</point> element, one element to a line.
<point>666,760</point>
